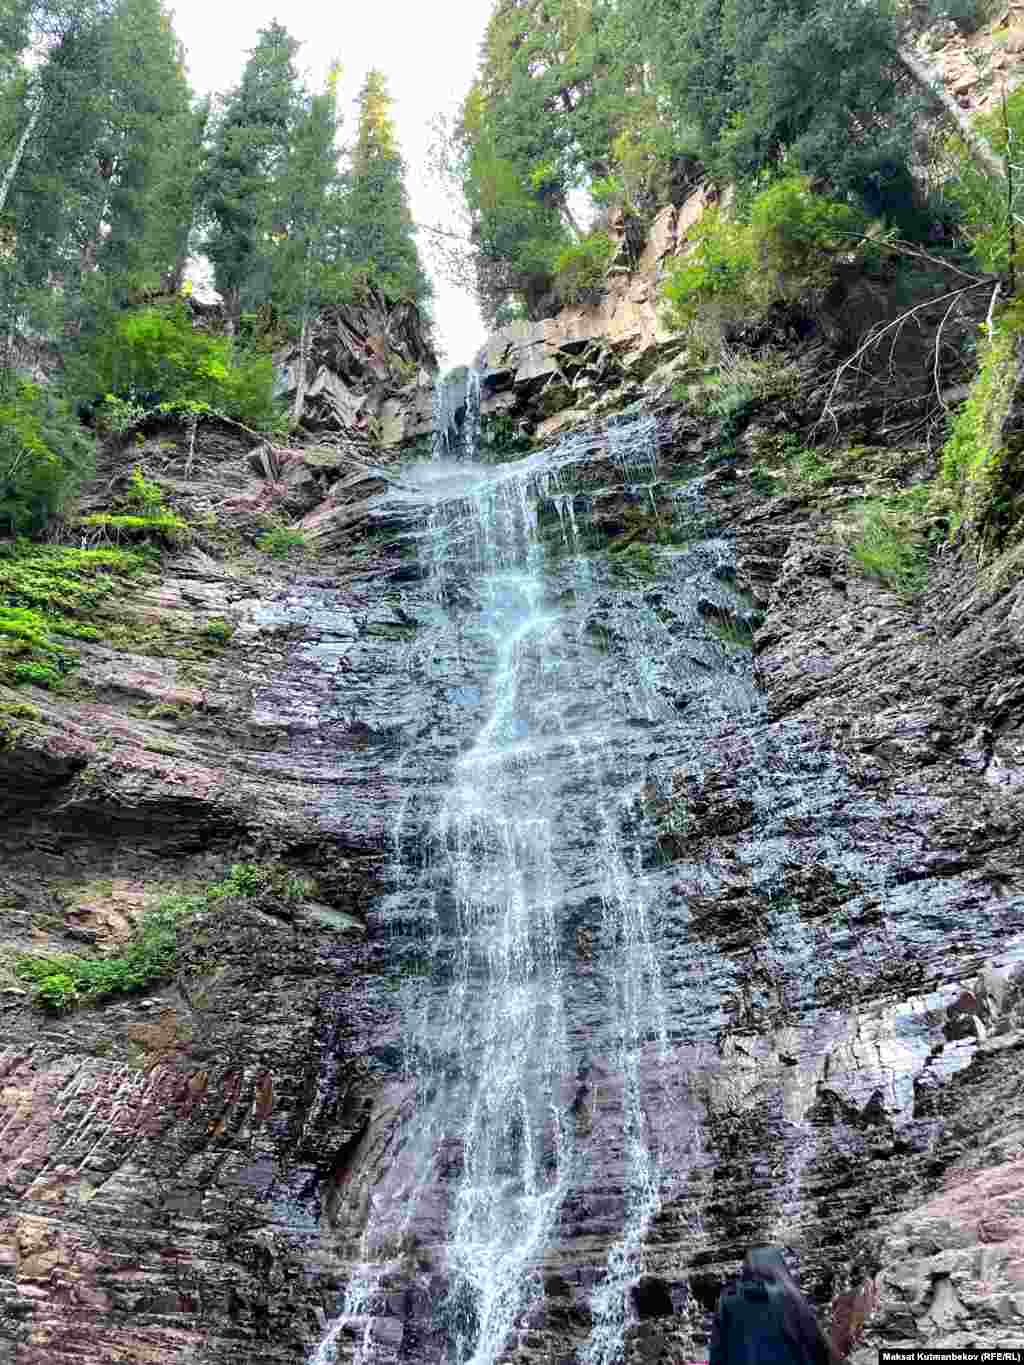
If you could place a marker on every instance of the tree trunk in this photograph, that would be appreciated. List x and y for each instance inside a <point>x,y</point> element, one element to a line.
<point>36,99</point>
<point>300,382</point>
<point>232,310</point>
<point>567,214</point>
<point>930,82</point>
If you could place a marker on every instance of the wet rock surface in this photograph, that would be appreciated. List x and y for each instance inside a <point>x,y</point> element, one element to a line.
<point>824,830</point>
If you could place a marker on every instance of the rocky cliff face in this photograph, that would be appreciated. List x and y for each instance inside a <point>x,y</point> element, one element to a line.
<point>367,369</point>
<point>823,781</point>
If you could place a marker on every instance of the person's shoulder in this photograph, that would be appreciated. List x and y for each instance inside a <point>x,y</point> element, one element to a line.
<point>732,1288</point>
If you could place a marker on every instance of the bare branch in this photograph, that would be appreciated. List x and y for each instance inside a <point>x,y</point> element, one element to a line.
<point>935,358</point>
<point>876,335</point>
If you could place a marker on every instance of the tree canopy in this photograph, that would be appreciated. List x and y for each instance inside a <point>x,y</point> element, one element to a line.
<point>622,101</point>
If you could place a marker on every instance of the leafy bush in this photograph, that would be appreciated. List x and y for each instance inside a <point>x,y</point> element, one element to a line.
<point>282,541</point>
<point>44,454</point>
<point>720,264</point>
<point>146,513</point>
<point>580,267</point>
<point>66,980</point>
<point>796,233</point>
<point>786,246</point>
<point>143,494</point>
<point>153,360</point>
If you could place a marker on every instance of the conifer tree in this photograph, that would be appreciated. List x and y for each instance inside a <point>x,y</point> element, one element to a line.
<point>380,236</point>
<point>146,149</point>
<point>308,269</point>
<point>250,144</point>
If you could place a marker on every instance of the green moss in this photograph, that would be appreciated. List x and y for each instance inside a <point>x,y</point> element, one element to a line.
<point>48,592</point>
<point>131,525</point>
<point>985,470</point>
<point>20,710</point>
<point>502,439</point>
<point>730,630</point>
<point>65,980</point>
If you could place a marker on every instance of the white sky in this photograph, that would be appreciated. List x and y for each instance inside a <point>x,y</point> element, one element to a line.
<point>427,52</point>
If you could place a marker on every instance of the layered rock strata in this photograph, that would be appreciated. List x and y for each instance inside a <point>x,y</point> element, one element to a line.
<point>831,850</point>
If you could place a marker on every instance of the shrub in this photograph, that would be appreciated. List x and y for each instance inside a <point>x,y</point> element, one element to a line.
<point>795,233</point>
<point>890,540</point>
<point>153,360</point>
<point>65,980</point>
<point>985,214</point>
<point>719,265</point>
<point>146,513</point>
<point>44,455</point>
<point>786,247</point>
<point>580,268</point>
<point>145,495</point>
<point>282,541</point>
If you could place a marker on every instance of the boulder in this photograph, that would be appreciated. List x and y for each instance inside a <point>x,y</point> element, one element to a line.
<point>368,367</point>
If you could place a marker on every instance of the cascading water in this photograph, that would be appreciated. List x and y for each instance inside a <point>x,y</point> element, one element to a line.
<point>538,838</point>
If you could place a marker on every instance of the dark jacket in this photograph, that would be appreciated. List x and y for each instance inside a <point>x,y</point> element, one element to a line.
<point>750,1329</point>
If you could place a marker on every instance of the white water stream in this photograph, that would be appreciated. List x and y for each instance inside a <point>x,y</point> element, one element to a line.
<point>490,1049</point>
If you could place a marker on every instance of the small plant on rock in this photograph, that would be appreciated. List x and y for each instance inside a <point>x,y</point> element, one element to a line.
<point>282,542</point>
<point>219,630</point>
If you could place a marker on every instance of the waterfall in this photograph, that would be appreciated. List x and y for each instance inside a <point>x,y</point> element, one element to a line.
<point>537,838</point>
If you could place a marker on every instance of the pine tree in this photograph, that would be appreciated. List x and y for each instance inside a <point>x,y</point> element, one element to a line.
<point>307,268</point>
<point>147,150</point>
<point>250,145</point>
<point>380,236</point>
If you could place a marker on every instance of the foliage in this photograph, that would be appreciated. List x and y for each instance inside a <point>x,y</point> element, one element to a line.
<point>219,630</point>
<point>156,358</point>
<point>145,495</point>
<point>151,955</point>
<point>44,454</point>
<point>986,212</point>
<point>581,266</point>
<point>783,249</point>
<point>307,265</point>
<point>719,265</point>
<point>100,199</point>
<point>47,594</point>
<point>167,524</point>
<point>502,438</point>
<point>795,233</point>
<point>249,148</point>
<point>378,224</point>
<point>563,99</point>
<point>889,539</point>
<point>635,100</point>
<point>814,82</point>
<point>282,541</point>
<point>979,464</point>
